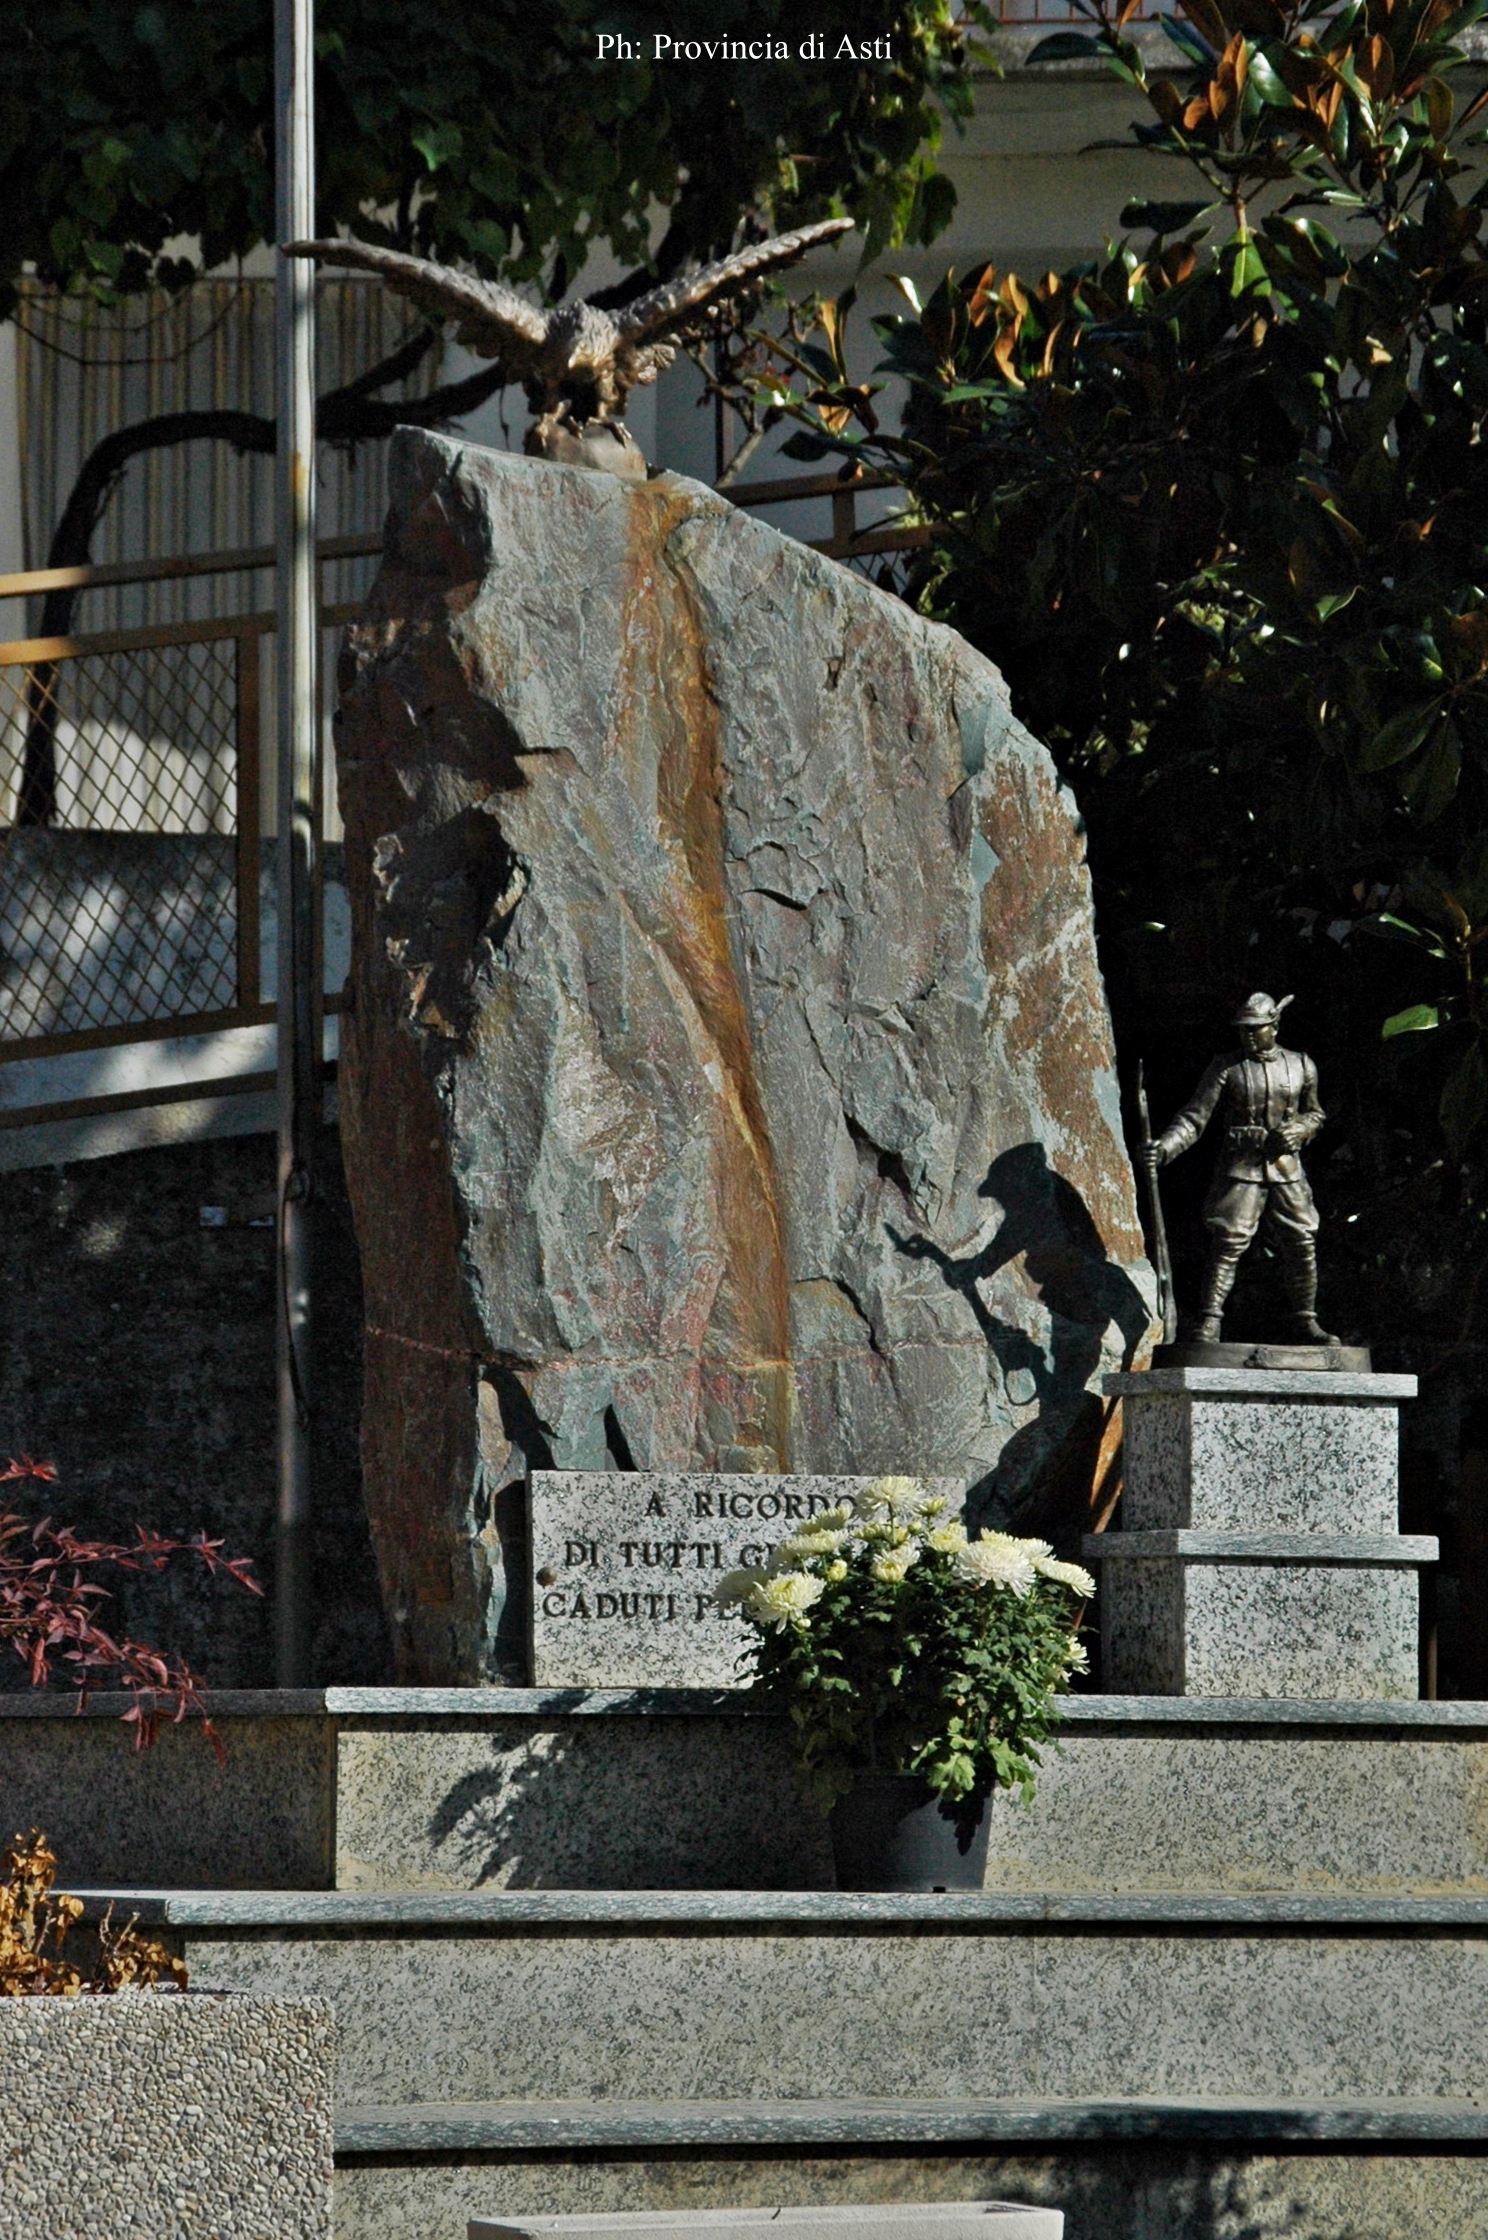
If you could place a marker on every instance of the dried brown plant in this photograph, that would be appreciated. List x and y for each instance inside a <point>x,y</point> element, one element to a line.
<point>35,1921</point>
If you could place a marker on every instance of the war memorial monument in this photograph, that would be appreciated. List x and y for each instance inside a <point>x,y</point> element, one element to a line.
<point>731,1112</point>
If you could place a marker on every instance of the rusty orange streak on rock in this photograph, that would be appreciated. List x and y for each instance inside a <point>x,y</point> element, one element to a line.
<point>664,692</point>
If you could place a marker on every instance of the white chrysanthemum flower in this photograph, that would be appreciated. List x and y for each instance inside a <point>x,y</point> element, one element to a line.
<point>1077,1658</point>
<point>737,1587</point>
<point>897,1498</point>
<point>784,1600</point>
<point>998,1560</point>
<point>1071,1575</point>
<point>802,1546</point>
<point>893,1566</point>
<point>836,1571</point>
<point>833,1520</point>
<point>947,1537</point>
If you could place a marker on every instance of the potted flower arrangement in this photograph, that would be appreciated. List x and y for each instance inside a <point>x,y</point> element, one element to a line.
<point>920,1668</point>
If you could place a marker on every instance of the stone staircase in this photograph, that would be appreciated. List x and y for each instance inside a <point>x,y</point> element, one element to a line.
<point>1227,1980</point>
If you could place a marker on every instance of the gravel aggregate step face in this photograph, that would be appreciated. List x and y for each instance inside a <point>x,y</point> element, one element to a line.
<point>176,2117</point>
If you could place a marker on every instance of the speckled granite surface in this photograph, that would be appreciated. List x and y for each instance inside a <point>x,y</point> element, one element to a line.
<point>522,1788</point>
<point>624,1566</point>
<point>582,1804</point>
<point>1092,2008</point>
<point>666,2126</point>
<point>1290,1481</point>
<point>1177,1626</point>
<point>1250,1461</point>
<point>174,2118</point>
<point>263,1820</point>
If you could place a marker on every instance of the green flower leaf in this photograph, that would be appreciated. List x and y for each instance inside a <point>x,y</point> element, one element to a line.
<point>439,144</point>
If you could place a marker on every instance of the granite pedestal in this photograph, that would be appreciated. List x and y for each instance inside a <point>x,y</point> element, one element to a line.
<point>1259,1554</point>
<point>1202,1996</point>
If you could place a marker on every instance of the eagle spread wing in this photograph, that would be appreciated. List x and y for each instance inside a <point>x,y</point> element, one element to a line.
<point>493,321</point>
<point>652,314</point>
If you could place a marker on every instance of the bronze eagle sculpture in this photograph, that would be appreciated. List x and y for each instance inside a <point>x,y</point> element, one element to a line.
<point>579,363</point>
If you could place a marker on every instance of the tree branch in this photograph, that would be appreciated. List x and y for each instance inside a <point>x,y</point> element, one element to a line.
<point>394,367</point>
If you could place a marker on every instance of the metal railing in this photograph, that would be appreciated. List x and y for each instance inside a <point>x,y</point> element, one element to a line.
<point>136,875</point>
<point>847,542</point>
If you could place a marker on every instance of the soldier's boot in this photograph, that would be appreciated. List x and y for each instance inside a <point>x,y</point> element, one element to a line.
<point>1219,1277</point>
<point>1301,1295</point>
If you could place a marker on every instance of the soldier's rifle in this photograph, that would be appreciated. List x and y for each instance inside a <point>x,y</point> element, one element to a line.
<point>1161,1259</point>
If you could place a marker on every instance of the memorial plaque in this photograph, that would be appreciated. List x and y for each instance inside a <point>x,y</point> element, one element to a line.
<point>625,1564</point>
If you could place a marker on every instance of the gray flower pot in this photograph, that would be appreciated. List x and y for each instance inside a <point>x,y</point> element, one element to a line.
<point>890,1833</point>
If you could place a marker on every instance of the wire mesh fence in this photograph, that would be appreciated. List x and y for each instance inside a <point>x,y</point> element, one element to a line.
<point>132,739</point>
<point>130,865</point>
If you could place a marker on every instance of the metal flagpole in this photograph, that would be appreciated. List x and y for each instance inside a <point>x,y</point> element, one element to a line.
<point>299,995</point>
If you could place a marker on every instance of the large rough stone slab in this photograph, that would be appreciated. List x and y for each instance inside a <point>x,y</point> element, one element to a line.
<point>728,1081</point>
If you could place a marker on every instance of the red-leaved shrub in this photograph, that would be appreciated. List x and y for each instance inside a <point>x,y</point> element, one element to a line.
<point>50,1598</point>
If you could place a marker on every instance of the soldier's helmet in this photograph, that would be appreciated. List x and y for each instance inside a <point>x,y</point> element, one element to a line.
<point>1260,1010</point>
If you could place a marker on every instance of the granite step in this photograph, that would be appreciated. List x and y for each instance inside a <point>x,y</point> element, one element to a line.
<point>1138,2167</point>
<point>463,1788</point>
<point>503,1996</point>
<point>521,2126</point>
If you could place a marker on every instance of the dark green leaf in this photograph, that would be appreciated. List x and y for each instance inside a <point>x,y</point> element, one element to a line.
<point>1464,1101</point>
<point>1399,737</point>
<point>1163,217</point>
<point>1064,46</point>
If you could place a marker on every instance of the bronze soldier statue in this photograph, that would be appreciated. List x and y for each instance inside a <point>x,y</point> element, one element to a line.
<point>1271,1111</point>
